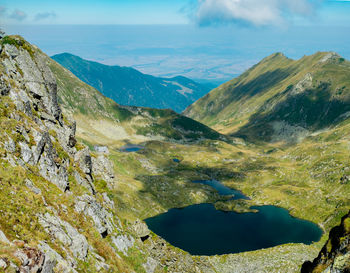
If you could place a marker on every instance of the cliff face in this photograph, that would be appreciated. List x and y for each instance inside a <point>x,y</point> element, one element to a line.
<point>48,197</point>
<point>335,255</point>
<point>57,214</point>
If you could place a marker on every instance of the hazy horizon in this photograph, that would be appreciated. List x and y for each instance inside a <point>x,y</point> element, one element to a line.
<point>170,50</point>
<point>211,40</point>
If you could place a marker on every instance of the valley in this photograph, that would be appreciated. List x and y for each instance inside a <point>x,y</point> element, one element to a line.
<point>151,157</point>
<point>304,176</point>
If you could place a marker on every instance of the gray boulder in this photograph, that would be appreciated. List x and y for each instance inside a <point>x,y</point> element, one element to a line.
<point>26,153</point>
<point>49,168</point>
<point>103,220</point>
<point>141,229</point>
<point>10,145</point>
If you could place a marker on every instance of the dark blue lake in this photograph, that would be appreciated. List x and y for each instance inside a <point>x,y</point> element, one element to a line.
<point>203,230</point>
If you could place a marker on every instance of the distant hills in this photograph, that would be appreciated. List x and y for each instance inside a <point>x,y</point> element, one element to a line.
<point>103,118</point>
<point>128,86</point>
<point>279,99</point>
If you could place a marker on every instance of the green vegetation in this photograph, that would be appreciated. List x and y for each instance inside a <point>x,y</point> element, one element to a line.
<point>308,176</point>
<point>277,97</point>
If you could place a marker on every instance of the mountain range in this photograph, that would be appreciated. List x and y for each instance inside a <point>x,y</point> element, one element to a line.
<point>128,86</point>
<point>72,200</point>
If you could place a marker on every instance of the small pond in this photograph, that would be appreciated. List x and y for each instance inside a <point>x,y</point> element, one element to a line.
<point>203,230</point>
<point>222,190</point>
<point>129,148</point>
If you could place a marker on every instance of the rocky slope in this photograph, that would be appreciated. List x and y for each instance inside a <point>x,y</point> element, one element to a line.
<point>276,99</point>
<point>57,210</point>
<point>128,86</point>
<point>335,255</point>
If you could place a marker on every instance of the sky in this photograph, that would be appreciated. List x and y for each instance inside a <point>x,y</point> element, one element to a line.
<point>202,12</point>
<point>202,39</point>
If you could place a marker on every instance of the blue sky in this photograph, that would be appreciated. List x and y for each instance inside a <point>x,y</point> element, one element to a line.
<point>254,12</point>
<point>201,39</point>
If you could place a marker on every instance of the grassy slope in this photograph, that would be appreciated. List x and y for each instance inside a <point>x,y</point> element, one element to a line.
<point>247,105</point>
<point>91,109</point>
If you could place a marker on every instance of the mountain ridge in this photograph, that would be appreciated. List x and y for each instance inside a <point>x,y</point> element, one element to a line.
<point>128,86</point>
<point>261,94</point>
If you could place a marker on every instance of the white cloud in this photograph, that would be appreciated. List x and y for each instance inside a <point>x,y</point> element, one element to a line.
<point>18,15</point>
<point>45,15</point>
<point>256,12</point>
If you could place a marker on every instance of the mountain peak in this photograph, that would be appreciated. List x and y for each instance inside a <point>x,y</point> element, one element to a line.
<point>276,99</point>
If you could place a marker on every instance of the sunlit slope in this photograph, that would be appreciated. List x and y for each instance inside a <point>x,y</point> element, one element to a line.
<point>279,98</point>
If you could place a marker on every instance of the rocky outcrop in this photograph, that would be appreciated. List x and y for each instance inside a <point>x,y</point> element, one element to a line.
<point>123,243</point>
<point>335,255</point>
<point>32,260</point>
<point>85,182</point>
<point>53,260</point>
<point>141,230</point>
<point>65,233</point>
<point>83,158</point>
<point>102,167</point>
<point>102,219</point>
<point>35,76</point>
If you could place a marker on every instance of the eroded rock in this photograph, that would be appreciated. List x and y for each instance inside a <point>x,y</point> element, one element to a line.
<point>102,167</point>
<point>141,229</point>
<point>123,243</point>
<point>32,260</point>
<point>103,220</point>
<point>83,158</point>
<point>66,234</point>
<point>54,261</point>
